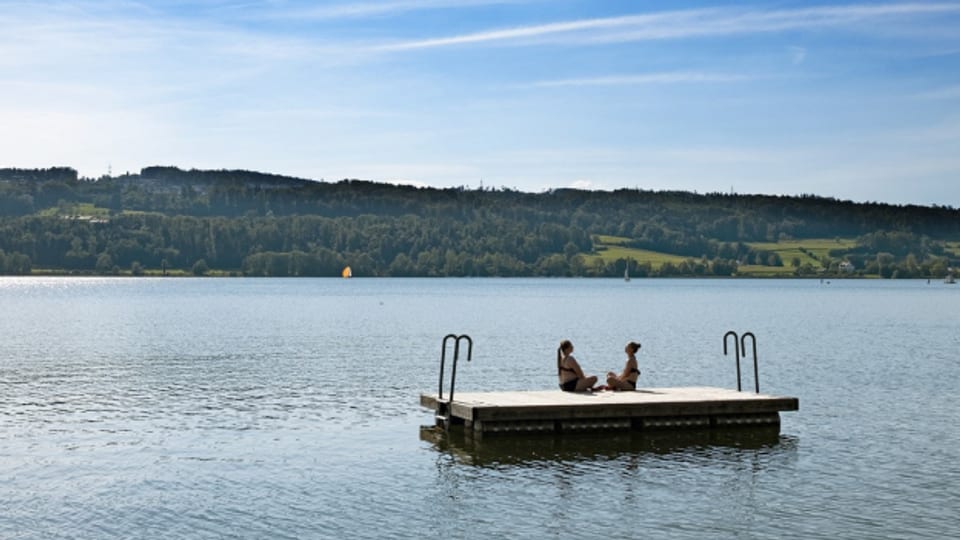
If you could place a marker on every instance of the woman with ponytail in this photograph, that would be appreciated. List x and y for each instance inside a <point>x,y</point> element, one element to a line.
<point>571,376</point>
<point>626,380</point>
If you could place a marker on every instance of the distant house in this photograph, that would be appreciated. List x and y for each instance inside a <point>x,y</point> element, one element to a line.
<point>847,267</point>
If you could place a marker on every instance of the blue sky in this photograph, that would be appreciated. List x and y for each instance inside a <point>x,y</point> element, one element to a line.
<point>857,101</point>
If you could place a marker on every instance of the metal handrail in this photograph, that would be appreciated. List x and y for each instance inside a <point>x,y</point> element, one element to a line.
<point>736,350</point>
<point>743,348</point>
<point>456,356</point>
<point>740,350</point>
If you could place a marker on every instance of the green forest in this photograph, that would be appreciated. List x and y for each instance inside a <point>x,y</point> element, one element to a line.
<point>169,221</point>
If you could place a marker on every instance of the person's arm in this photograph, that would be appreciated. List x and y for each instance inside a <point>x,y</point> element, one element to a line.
<point>626,369</point>
<point>575,366</point>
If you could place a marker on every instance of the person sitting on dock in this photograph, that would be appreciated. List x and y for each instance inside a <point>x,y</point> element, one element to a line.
<point>571,376</point>
<point>627,380</point>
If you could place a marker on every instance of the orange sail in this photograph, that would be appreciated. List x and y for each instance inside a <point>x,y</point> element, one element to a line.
<point>347,272</point>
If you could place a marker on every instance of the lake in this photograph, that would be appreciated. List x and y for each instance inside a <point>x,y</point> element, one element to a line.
<point>288,408</point>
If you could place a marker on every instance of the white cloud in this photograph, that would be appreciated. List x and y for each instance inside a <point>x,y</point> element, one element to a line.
<point>682,24</point>
<point>377,9</point>
<point>644,78</point>
<point>522,32</point>
<point>589,185</point>
<point>413,183</point>
<point>440,173</point>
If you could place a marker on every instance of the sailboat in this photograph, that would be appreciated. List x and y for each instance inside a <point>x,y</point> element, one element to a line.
<point>626,274</point>
<point>950,280</point>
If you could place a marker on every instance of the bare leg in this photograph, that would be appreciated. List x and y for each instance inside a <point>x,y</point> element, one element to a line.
<point>617,384</point>
<point>586,383</point>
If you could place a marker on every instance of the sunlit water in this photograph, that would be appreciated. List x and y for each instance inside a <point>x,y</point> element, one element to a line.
<point>241,408</point>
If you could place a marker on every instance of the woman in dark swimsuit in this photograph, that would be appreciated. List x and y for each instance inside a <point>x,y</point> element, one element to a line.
<point>627,380</point>
<point>571,376</point>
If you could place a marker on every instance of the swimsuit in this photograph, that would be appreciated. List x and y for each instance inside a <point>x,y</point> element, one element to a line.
<point>571,385</point>
<point>633,383</point>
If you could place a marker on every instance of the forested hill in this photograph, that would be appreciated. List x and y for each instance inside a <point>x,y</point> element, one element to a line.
<point>250,223</point>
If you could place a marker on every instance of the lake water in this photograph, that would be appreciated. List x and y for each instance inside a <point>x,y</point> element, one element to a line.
<point>271,408</point>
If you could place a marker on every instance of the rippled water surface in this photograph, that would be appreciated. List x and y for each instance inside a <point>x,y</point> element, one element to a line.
<point>237,408</point>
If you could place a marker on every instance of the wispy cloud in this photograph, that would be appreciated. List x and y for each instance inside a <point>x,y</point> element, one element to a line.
<point>534,31</point>
<point>585,184</point>
<point>681,24</point>
<point>643,79</point>
<point>356,10</point>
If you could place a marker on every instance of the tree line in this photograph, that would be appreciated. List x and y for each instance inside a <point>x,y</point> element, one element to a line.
<point>257,224</point>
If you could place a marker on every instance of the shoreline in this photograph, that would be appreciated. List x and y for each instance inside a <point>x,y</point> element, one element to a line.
<point>237,274</point>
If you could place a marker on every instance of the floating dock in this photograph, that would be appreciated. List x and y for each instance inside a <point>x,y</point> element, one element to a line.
<point>643,409</point>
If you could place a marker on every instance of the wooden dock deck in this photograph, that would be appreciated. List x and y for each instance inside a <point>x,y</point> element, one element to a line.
<point>643,409</point>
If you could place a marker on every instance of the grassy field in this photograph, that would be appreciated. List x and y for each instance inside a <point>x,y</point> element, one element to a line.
<point>611,248</point>
<point>76,210</point>
<point>809,250</point>
<point>757,270</point>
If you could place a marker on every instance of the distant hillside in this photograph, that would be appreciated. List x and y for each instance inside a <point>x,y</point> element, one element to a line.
<point>247,223</point>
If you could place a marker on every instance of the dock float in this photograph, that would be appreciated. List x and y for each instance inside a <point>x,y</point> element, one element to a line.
<point>642,409</point>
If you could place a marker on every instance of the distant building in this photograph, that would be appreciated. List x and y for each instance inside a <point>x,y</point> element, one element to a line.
<point>847,266</point>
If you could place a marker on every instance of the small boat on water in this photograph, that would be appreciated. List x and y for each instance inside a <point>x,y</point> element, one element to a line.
<point>626,274</point>
<point>950,280</point>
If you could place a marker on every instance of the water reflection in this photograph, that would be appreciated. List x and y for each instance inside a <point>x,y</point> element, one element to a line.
<point>537,449</point>
<point>694,484</point>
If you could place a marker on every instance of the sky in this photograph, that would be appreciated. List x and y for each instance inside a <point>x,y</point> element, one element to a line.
<point>858,101</point>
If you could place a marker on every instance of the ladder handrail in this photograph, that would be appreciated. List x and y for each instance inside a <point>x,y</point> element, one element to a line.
<point>456,356</point>
<point>743,347</point>
<point>736,350</point>
<point>740,350</point>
